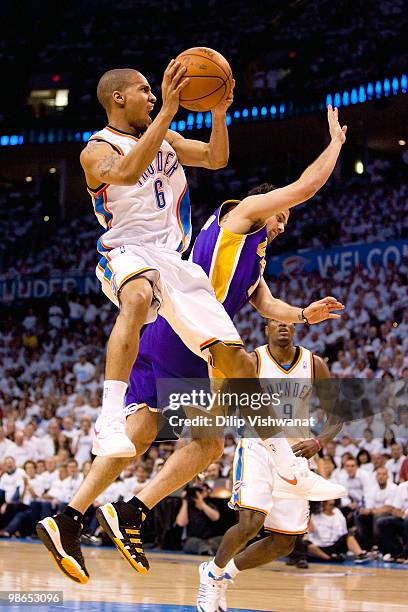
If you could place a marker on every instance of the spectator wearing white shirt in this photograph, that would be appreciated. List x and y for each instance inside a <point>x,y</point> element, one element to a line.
<point>369,443</point>
<point>378,502</point>
<point>393,530</point>
<point>357,483</point>
<point>50,501</point>
<point>21,523</point>
<point>394,464</point>
<point>5,445</point>
<point>346,446</point>
<point>82,442</point>
<point>341,368</point>
<point>49,442</point>
<point>91,312</point>
<point>51,474</point>
<point>11,481</point>
<point>71,484</point>
<point>84,371</point>
<point>68,428</point>
<point>364,461</point>
<point>328,538</point>
<point>21,451</point>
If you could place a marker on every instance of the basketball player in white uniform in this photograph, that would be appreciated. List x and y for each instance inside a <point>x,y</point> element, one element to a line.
<point>285,366</point>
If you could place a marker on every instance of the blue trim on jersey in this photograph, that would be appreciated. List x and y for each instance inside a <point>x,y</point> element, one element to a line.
<point>103,263</point>
<point>101,210</point>
<point>238,472</point>
<point>286,366</point>
<point>185,217</point>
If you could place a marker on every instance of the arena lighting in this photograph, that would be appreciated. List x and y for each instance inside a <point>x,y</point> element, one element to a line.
<point>46,218</point>
<point>402,143</point>
<point>359,167</point>
<point>28,179</point>
<point>389,86</point>
<point>52,170</point>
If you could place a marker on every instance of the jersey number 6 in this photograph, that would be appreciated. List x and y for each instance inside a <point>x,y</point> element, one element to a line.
<point>159,193</point>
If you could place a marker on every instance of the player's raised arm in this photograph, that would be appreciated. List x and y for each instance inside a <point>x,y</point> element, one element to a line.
<point>270,307</point>
<point>258,208</point>
<point>213,154</point>
<point>104,165</point>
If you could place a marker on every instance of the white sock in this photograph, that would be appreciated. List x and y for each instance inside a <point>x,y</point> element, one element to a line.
<point>214,569</point>
<point>283,455</point>
<point>113,396</point>
<point>231,569</point>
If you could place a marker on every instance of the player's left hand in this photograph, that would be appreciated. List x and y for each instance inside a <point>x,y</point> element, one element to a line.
<point>322,310</point>
<point>223,106</point>
<point>306,448</point>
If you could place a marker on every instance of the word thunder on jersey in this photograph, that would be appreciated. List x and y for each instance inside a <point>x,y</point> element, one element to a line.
<point>154,212</point>
<point>293,383</point>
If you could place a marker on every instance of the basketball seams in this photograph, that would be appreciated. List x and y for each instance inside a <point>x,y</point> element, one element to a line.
<point>210,60</point>
<point>207,94</point>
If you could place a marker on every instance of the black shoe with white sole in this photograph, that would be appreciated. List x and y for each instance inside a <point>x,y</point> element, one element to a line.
<point>61,534</point>
<point>123,522</point>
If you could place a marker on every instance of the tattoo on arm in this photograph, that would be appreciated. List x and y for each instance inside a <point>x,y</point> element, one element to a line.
<point>107,163</point>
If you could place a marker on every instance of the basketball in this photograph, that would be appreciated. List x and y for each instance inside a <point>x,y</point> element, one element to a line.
<point>211,79</point>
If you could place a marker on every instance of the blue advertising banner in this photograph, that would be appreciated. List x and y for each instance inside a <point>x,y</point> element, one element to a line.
<point>18,289</point>
<point>342,259</point>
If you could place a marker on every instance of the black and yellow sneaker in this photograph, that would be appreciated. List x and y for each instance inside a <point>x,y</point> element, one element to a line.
<point>122,522</point>
<point>61,534</point>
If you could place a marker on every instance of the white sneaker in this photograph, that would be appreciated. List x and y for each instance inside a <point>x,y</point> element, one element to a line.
<point>209,591</point>
<point>110,439</point>
<point>305,484</point>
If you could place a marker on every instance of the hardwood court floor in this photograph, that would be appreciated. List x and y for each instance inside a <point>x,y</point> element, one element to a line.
<point>172,582</point>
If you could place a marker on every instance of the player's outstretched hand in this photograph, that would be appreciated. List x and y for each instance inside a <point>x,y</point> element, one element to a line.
<point>172,85</point>
<point>223,106</point>
<point>336,131</point>
<point>322,310</point>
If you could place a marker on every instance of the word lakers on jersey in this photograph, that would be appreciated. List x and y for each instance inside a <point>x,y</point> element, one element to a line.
<point>147,227</point>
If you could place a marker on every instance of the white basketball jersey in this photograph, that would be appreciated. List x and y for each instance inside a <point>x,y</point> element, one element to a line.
<point>295,394</point>
<point>154,212</point>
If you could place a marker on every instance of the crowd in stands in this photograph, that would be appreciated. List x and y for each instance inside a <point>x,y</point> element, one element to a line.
<point>308,45</point>
<point>375,206</point>
<point>51,364</point>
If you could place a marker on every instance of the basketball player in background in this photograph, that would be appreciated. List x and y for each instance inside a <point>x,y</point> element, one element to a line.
<point>279,362</point>
<point>164,355</point>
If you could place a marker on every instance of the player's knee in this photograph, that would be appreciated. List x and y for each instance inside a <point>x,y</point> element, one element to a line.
<point>234,362</point>
<point>250,523</point>
<point>283,544</point>
<point>135,299</point>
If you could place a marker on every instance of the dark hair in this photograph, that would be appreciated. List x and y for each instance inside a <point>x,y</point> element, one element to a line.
<point>263,188</point>
<point>363,451</point>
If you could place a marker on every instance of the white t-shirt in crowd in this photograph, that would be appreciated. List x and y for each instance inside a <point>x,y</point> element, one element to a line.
<point>327,529</point>
<point>37,485</point>
<point>84,372</point>
<point>377,497</point>
<point>11,482</point>
<point>394,467</point>
<point>400,500</point>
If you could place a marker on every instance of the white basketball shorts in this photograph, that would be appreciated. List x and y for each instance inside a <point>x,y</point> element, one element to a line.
<point>183,294</point>
<point>254,474</point>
